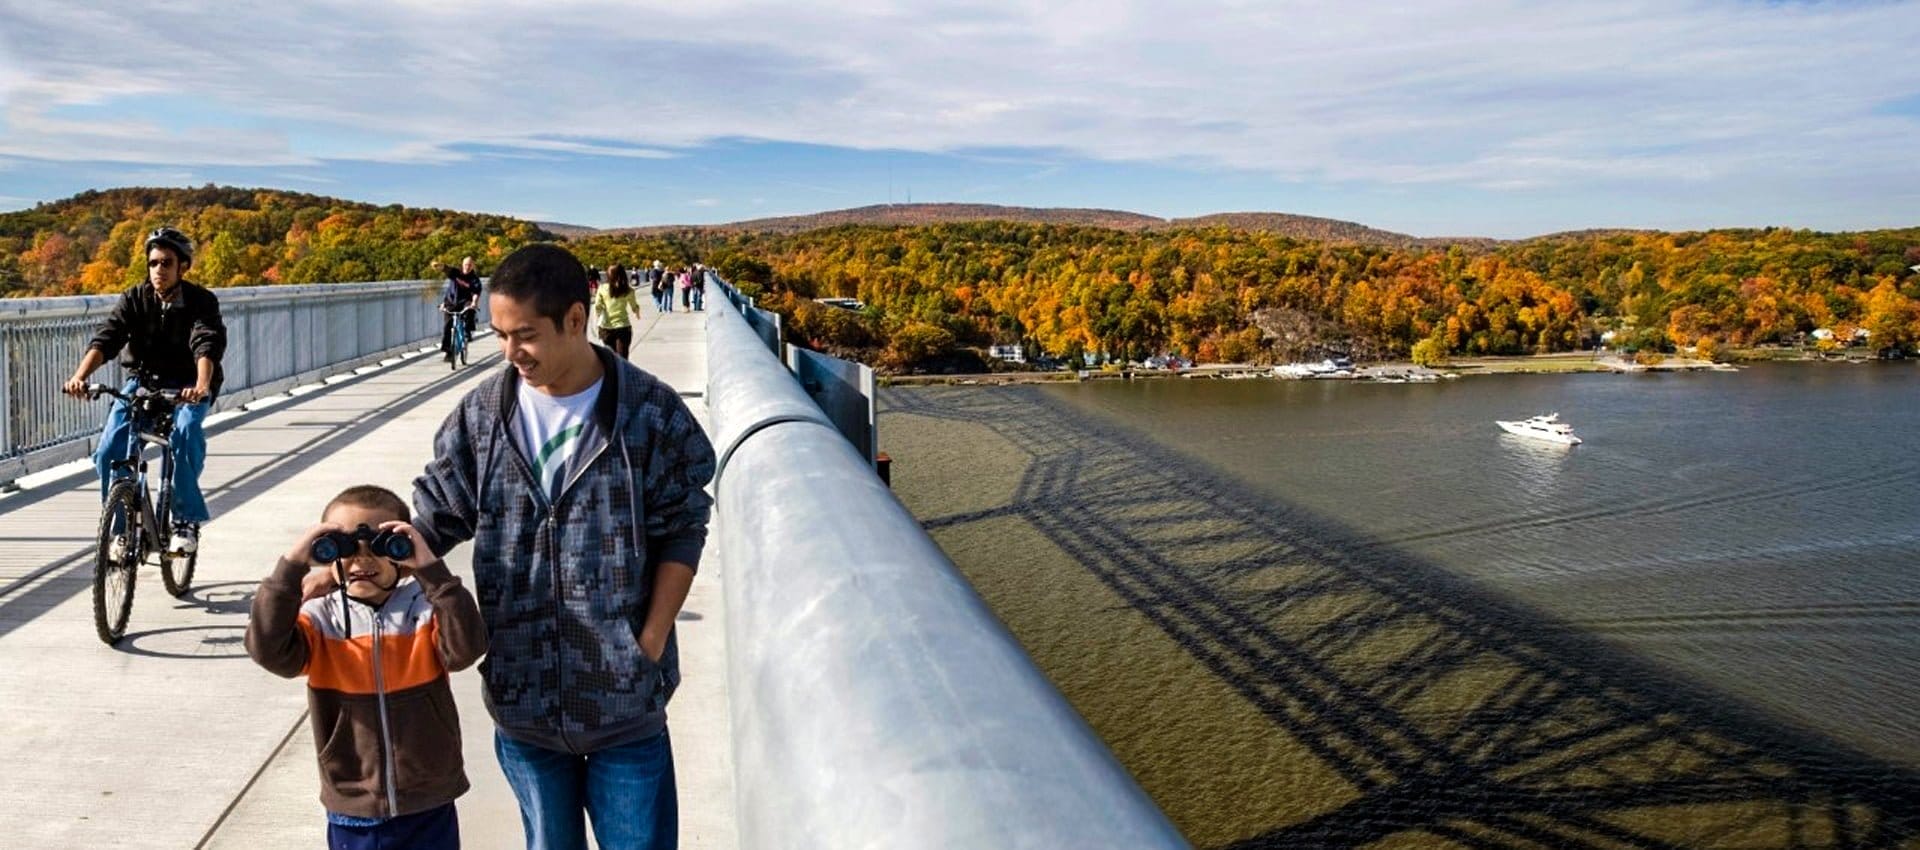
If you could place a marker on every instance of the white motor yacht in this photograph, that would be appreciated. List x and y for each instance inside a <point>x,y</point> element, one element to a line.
<point>1548,427</point>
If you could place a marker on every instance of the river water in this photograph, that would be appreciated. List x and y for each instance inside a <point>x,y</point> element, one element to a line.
<point>1711,607</point>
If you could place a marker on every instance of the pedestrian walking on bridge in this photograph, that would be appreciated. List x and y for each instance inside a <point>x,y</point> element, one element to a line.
<point>613,311</point>
<point>580,480</point>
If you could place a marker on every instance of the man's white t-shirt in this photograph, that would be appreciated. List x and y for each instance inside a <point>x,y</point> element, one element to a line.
<point>552,430</point>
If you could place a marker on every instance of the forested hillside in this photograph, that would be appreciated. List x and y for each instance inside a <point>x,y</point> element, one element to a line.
<point>1316,229</point>
<point>1219,293</point>
<point>91,243</point>
<point>934,291</point>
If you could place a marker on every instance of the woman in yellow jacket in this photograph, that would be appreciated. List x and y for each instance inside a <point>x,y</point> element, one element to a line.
<point>615,305</point>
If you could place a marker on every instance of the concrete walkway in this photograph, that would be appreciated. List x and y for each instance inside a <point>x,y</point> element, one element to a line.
<point>174,739</point>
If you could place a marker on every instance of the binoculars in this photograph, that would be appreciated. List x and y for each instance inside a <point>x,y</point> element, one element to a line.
<point>335,545</point>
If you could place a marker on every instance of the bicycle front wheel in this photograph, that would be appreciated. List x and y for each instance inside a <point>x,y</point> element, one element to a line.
<point>113,576</point>
<point>176,572</point>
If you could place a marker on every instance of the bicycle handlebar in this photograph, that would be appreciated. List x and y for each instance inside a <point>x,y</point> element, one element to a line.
<point>95,391</point>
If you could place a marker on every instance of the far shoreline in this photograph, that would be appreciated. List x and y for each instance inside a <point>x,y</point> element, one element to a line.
<point>1564,363</point>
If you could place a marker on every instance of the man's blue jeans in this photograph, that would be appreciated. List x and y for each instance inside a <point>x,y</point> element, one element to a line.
<point>189,442</point>
<point>698,295</point>
<point>627,790</point>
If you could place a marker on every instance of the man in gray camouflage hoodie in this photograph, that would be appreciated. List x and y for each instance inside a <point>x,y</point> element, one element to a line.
<point>579,478</point>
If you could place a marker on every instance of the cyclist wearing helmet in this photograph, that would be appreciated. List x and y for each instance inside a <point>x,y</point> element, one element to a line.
<point>462,291</point>
<point>171,329</point>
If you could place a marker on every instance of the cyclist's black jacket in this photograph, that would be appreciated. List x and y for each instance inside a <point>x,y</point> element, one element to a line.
<point>166,341</point>
<point>463,288</point>
<point>458,296</point>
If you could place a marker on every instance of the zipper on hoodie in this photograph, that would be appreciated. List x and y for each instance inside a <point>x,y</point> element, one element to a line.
<point>580,471</point>
<point>553,548</point>
<point>553,553</point>
<point>526,470</point>
<point>559,605</point>
<point>386,735</point>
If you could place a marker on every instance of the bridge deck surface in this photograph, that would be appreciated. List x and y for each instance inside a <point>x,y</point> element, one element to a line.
<point>174,738</point>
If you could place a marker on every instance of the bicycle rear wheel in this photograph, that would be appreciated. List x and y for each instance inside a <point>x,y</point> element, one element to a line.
<point>113,578</point>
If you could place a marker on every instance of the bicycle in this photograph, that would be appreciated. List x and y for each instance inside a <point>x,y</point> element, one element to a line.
<point>133,523</point>
<point>458,357</point>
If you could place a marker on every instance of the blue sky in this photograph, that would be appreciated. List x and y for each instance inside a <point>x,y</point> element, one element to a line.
<point>1456,117</point>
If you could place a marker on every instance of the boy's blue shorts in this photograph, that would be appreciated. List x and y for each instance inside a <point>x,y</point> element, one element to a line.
<point>437,828</point>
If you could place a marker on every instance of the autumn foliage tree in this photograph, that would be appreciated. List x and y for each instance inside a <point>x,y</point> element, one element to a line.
<point>1217,293</point>
<point>91,243</point>
<point>1073,291</point>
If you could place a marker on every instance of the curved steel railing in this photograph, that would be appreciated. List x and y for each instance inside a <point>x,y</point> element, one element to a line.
<point>877,702</point>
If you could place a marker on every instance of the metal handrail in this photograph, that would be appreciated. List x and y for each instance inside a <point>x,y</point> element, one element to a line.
<point>876,701</point>
<point>278,337</point>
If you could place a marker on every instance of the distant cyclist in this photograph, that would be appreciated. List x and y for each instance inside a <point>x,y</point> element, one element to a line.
<point>462,293</point>
<point>171,329</point>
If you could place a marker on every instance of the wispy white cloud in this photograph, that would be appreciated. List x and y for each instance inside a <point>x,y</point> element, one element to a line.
<point>151,177</point>
<point>307,178</point>
<point>704,202</point>
<point>585,148</point>
<point>1489,94</point>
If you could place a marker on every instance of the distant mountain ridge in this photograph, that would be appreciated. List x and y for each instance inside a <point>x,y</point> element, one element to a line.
<point>913,215</point>
<point>1319,229</point>
<point>569,231</point>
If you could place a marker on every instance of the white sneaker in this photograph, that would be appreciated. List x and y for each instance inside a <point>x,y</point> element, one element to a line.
<point>117,550</point>
<point>186,540</point>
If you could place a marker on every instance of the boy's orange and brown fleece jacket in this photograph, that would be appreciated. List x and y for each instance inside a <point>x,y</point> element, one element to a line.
<point>383,714</point>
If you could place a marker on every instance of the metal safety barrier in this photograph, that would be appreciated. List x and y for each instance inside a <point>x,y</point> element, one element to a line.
<point>278,337</point>
<point>765,323</point>
<point>876,701</point>
<point>843,389</point>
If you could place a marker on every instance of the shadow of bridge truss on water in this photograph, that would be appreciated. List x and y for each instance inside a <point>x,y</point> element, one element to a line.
<point>1454,716</point>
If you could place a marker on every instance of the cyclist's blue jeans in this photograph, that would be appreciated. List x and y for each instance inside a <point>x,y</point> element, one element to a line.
<point>628,791</point>
<point>189,441</point>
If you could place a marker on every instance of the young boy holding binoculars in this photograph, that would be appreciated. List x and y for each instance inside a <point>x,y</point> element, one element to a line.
<point>376,657</point>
